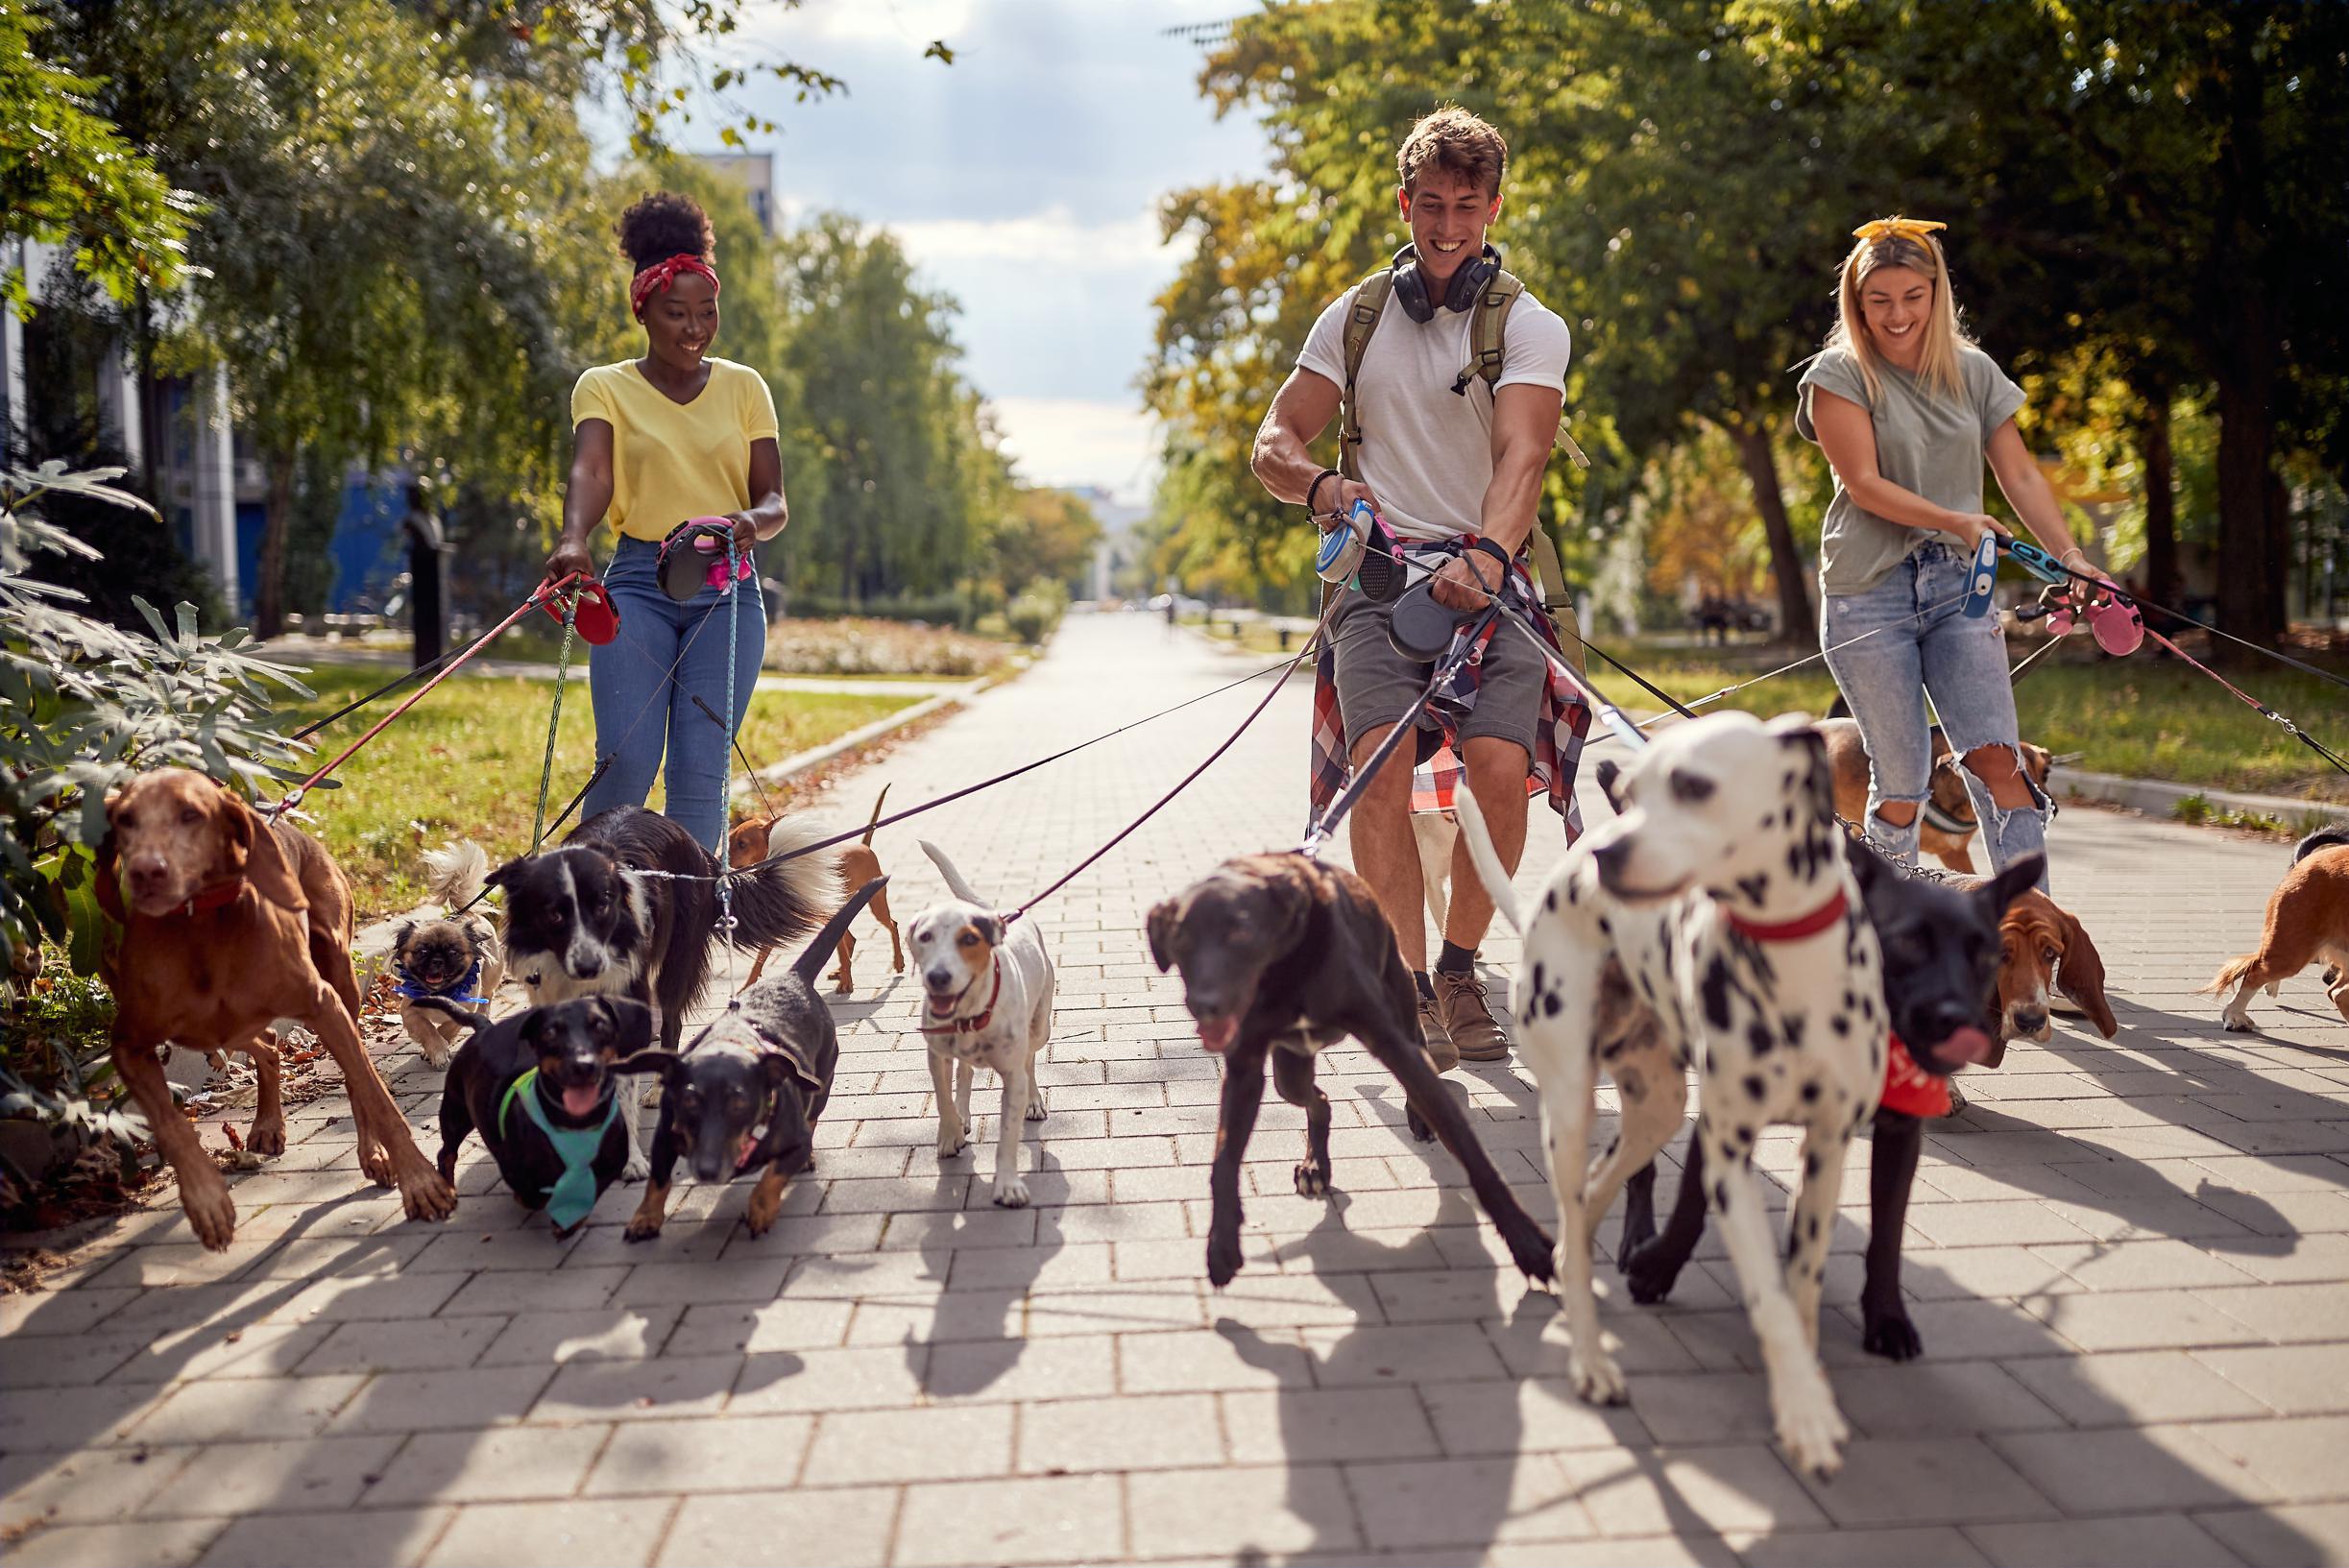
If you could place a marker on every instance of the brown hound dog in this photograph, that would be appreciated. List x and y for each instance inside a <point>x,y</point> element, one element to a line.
<point>228,924</point>
<point>2308,922</point>
<point>753,840</point>
<point>1947,826</point>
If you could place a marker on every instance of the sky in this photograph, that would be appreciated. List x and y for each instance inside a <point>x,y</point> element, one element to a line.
<point>1023,179</point>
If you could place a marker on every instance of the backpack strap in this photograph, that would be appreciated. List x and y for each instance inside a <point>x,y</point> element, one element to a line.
<point>1488,332</point>
<point>1371,297</point>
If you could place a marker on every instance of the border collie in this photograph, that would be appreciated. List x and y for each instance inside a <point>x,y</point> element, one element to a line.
<point>583,919</point>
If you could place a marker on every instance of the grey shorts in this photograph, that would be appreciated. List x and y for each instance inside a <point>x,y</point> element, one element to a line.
<point>1376,685</point>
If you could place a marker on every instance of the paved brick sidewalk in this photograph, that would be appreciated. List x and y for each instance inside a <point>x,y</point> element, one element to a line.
<point>2131,1264</point>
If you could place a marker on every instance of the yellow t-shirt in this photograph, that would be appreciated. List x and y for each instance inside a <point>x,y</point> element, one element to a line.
<point>671,460</point>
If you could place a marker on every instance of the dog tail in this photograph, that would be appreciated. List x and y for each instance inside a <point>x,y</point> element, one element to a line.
<point>875,820</point>
<point>954,883</point>
<point>2334,836</point>
<point>455,873</point>
<point>819,950</point>
<point>474,1019</point>
<point>1487,864</point>
<point>783,899</point>
<point>2233,972</point>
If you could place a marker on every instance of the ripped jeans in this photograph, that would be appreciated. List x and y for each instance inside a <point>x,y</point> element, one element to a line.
<point>1925,645</point>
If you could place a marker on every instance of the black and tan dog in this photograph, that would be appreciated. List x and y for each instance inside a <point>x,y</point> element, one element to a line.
<point>541,1087</point>
<point>1282,956</point>
<point>749,1089</point>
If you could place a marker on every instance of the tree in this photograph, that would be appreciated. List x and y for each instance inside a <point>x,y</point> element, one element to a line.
<point>67,176</point>
<point>1048,536</point>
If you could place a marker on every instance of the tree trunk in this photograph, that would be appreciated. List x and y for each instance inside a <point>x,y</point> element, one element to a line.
<point>2251,569</point>
<point>1795,622</point>
<point>269,587</point>
<point>2161,500</point>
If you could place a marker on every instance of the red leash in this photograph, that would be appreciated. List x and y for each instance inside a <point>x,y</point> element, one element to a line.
<point>543,592</point>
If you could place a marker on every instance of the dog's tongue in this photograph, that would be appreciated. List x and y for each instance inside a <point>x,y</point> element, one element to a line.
<point>581,1102</point>
<point>1216,1033</point>
<point>1967,1045</point>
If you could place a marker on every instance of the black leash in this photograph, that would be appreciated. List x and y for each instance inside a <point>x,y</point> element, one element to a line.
<point>384,691</point>
<point>1317,833</point>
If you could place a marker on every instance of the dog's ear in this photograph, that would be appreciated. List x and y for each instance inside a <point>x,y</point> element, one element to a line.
<point>109,881</point>
<point>265,866</point>
<point>633,1020</point>
<point>505,876</point>
<point>2081,976</point>
<point>1797,732</point>
<point>1611,777</point>
<point>2018,879</point>
<point>1163,918</point>
<point>2038,762</point>
<point>401,934</point>
<point>663,1062</point>
<point>1292,908</point>
<point>990,926</point>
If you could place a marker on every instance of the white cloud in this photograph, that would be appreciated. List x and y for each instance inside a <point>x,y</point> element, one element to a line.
<point>1051,238</point>
<point>1073,440</point>
<point>838,21</point>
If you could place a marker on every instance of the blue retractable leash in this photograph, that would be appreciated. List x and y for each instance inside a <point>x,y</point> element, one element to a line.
<point>1985,571</point>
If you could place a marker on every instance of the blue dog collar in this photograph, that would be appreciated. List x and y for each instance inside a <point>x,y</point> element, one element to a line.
<point>415,990</point>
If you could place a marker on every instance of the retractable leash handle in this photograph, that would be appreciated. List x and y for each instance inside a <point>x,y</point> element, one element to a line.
<point>1981,577</point>
<point>2035,561</point>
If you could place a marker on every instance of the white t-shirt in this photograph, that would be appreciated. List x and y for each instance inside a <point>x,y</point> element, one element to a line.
<point>1426,451</point>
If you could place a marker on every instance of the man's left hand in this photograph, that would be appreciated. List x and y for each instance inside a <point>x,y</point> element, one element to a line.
<point>1467,580</point>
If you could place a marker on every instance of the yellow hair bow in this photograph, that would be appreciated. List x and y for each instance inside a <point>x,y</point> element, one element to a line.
<point>1898,228</point>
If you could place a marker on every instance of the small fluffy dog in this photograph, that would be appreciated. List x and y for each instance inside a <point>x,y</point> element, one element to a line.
<point>987,1002</point>
<point>757,838</point>
<point>750,1088</point>
<point>2308,922</point>
<point>441,948</point>
<point>1720,899</point>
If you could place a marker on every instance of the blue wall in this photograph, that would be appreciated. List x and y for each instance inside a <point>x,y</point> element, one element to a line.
<point>368,551</point>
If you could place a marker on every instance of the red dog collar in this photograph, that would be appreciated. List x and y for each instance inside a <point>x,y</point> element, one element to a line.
<point>218,895</point>
<point>1793,930</point>
<point>976,1020</point>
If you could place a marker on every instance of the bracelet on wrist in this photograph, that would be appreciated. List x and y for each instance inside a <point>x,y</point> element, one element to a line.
<point>1314,489</point>
<point>1494,550</point>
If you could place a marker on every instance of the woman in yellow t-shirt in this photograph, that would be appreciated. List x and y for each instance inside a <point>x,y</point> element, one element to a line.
<point>659,441</point>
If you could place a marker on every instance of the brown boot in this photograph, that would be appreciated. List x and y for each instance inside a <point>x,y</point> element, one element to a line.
<point>1475,1033</point>
<point>1435,1039</point>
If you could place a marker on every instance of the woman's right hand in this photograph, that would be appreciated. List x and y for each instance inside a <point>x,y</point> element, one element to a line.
<point>1970,527</point>
<point>570,555</point>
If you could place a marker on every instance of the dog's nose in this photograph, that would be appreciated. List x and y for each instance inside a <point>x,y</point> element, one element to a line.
<point>2031,1019</point>
<point>938,979</point>
<point>587,969</point>
<point>1610,857</point>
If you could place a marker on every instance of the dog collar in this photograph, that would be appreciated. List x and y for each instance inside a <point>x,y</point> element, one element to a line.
<point>1792,931</point>
<point>204,900</point>
<point>574,1194</point>
<point>462,987</point>
<point>1940,821</point>
<point>976,1020</point>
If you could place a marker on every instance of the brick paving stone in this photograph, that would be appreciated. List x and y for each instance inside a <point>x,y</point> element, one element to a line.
<point>2129,1261</point>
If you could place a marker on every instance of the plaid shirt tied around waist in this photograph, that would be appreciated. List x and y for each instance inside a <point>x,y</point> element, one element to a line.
<point>1437,768</point>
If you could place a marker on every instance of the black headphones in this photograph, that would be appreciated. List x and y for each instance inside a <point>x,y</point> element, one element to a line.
<point>1411,290</point>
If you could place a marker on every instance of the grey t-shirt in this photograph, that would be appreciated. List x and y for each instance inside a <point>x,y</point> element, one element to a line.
<point>1925,442</point>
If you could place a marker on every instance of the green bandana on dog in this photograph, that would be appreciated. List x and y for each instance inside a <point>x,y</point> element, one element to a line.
<point>574,1193</point>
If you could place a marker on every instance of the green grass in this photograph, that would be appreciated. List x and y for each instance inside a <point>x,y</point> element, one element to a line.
<point>464,763</point>
<point>2131,716</point>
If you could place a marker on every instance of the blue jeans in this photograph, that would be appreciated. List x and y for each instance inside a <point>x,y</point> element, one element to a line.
<point>1922,647</point>
<point>642,711</point>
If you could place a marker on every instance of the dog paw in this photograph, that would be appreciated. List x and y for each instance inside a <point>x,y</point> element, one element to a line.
<point>1011,1193</point>
<point>641,1229</point>
<point>1312,1181</point>
<point>1595,1375</point>
<point>1533,1252</point>
<point>953,1143</point>
<point>2239,1023</point>
<point>376,1161</point>
<point>1810,1429</point>
<point>426,1196</point>
<point>1035,1107</point>
<point>1890,1334</point>
<point>1222,1257</point>
<point>438,1060</point>
<point>266,1138</point>
<point>1419,1129</point>
<point>1650,1274</point>
<point>637,1168</point>
<point>211,1213</point>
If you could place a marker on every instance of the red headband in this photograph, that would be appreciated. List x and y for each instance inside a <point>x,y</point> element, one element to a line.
<point>662,274</point>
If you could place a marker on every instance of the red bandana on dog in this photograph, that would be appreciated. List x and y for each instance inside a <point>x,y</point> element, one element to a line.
<point>658,276</point>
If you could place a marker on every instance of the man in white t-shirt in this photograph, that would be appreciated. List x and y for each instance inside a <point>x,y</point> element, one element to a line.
<point>1438,461</point>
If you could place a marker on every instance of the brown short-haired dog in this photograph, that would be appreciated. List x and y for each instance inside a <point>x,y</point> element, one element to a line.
<point>753,840</point>
<point>1948,827</point>
<point>2308,922</point>
<point>2048,950</point>
<point>231,923</point>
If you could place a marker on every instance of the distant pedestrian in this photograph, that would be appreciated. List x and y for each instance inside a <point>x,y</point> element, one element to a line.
<point>658,440</point>
<point>1907,410</point>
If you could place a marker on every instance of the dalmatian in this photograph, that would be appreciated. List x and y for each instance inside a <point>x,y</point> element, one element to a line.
<point>1712,924</point>
<point>987,1002</point>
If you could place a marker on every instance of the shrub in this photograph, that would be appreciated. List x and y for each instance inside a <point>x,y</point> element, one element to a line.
<point>1036,612</point>
<point>857,646</point>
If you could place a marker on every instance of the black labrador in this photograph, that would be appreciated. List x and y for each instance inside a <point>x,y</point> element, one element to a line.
<point>1282,956</point>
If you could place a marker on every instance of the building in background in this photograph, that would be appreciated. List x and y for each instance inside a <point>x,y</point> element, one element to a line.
<point>755,173</point>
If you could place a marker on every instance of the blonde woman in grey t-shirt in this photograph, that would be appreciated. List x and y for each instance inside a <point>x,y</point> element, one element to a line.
<point>1908,412</point>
